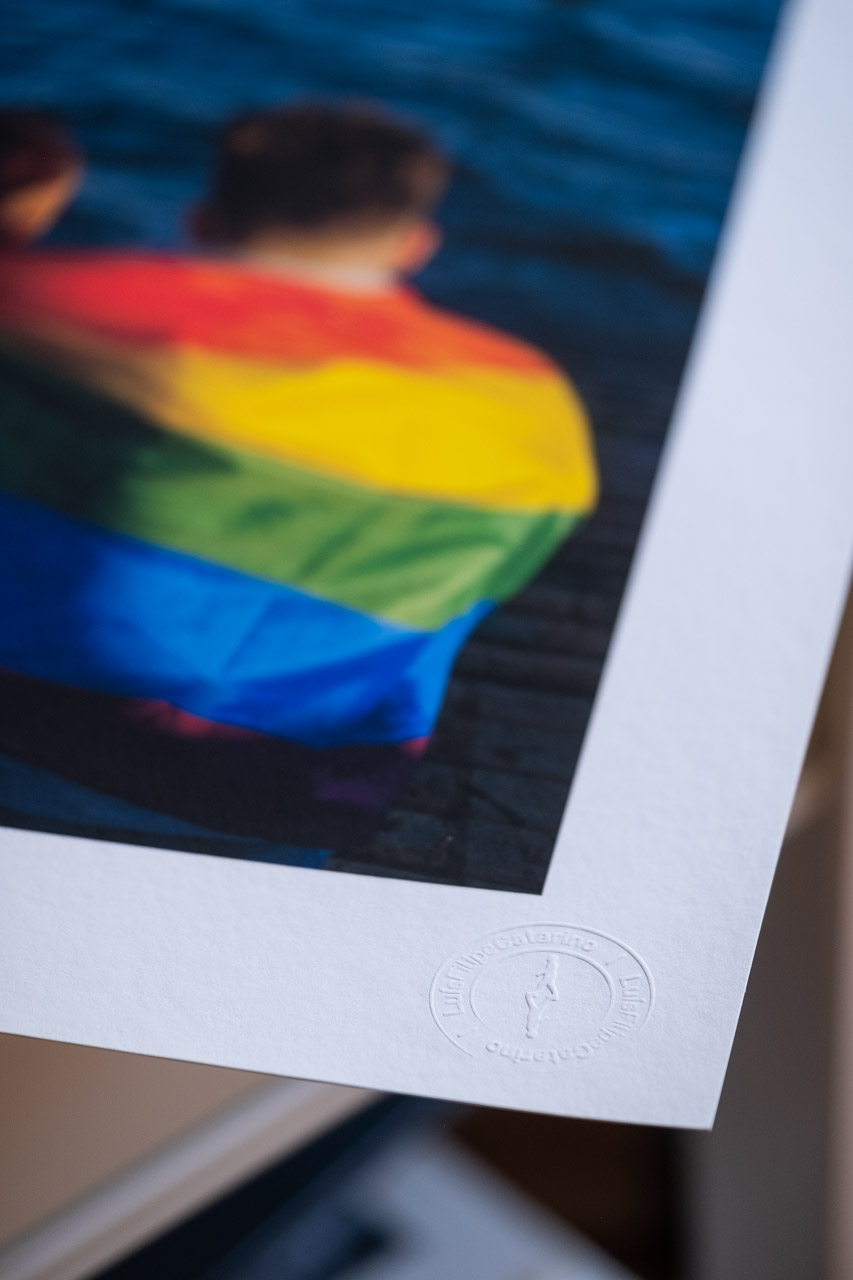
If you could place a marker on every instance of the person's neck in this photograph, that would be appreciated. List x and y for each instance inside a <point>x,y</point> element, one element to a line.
<point>342,277</point>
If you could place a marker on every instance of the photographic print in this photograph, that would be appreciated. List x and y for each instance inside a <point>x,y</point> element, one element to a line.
<point>335,378</point>
<point>424,484</point>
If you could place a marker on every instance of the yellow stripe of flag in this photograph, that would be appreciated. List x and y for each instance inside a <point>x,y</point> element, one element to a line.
<point>474,436</point>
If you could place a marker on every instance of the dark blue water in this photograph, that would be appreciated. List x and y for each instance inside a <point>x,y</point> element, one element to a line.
<point>595,141</point>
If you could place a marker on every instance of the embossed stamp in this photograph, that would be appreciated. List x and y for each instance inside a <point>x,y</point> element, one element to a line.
<point>541,995</point>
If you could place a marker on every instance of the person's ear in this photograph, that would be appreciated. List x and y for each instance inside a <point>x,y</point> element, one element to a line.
<point>28,213</point>
<point>420,243</point>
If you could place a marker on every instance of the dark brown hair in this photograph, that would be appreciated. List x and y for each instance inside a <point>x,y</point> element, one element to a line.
<point>34,147</point>
<point>315,167</point>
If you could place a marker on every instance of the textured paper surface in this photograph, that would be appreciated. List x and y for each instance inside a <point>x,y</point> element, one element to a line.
<point>615,993</point>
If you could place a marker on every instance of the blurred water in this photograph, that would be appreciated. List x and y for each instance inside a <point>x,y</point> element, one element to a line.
<point>596,140</point>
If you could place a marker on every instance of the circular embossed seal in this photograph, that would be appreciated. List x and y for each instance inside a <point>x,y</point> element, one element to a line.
<point>541,995</point>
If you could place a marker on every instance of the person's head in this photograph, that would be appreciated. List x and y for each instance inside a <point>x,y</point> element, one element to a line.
<point>40,170</point>
<point>347,186</point>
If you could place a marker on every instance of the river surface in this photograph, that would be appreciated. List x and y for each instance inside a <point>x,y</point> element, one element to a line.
<point>595,142</point>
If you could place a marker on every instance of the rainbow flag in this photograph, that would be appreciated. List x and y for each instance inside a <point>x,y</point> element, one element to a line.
<point>248,523</point>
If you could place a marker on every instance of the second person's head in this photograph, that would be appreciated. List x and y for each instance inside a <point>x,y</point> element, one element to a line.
<point>345,186</point>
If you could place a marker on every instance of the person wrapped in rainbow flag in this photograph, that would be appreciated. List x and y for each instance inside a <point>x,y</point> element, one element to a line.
<point>253,502</point>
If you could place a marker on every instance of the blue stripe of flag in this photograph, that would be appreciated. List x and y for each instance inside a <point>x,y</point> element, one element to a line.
<point>104,611</point>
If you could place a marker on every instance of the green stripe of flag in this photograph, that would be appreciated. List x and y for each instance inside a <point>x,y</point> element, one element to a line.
<point>414,561</point>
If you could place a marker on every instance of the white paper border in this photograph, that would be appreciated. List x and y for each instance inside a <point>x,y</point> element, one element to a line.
<point>688,767</point>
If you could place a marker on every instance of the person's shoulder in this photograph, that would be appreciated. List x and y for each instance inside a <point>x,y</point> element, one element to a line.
<point>43,260</point>
<point>87,271</point>
<point>127,290</point>
<point>457,339</point>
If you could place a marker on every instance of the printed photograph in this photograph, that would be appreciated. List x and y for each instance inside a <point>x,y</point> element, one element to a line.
<point>338,347</point>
